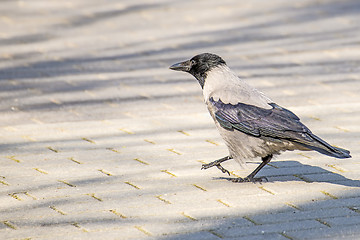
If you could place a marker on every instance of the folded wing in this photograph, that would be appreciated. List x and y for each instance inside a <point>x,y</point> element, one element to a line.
<point>277,123</point>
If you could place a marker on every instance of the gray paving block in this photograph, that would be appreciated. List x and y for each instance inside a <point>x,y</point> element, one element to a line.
<point>304,215</point>
<point>100,140</point>
<point>270,228</point>
<point>197,235</point>
<point>343,232</point>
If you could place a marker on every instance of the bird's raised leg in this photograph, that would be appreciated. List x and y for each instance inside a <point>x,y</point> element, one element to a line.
<point>217,164</point>
<point>250,177</point>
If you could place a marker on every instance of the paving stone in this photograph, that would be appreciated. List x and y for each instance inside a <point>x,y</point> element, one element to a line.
<point>343,232</point>
<point>270,228</point>
<point>100,140</point>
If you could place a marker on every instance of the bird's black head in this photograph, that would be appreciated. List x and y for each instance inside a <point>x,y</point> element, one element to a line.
<point>199,65</point>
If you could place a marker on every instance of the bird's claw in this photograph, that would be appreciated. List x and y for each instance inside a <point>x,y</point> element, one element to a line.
<point>218,165</point>
<point>248,179</point>
<point>222,169</point>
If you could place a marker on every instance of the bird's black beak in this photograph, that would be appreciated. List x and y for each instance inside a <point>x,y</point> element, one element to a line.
<point>181,66</point>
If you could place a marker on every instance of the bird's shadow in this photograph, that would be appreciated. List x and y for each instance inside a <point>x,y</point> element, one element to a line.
<point>283,171</point>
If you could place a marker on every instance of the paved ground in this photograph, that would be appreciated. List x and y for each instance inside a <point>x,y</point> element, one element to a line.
<point>99,140</point>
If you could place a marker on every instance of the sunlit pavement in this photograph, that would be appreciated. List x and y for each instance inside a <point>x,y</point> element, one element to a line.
<point>100,140</point>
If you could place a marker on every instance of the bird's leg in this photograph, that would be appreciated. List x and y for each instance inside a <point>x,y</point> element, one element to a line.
<point>250,177</point>
<point>217,164</point>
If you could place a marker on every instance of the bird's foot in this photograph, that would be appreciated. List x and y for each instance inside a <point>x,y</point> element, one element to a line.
<point>217,164</point>
<point>248,179</point>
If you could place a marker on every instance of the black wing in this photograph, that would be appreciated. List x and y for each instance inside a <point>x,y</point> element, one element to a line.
<point>277,123</point>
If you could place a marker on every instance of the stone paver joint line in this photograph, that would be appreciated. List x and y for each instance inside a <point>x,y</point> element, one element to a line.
<point>188,216</point>
<point>13,159</point>
<point>149,141</point>
<point>251,220</point>
<point>15,196</point>
<point>28,138</point>
<point>141,161</point>
<point>67,183</point>
<point>163,199</point>
<point>272,165</point>
<point>213,232</point>
<point>173,151</point>
<point>323,222</point>
<point>132,185</point>
<point>117,213</point>
<point>293,206</point>
<point>169,173</point>
<point>75,112</point>
<point>53,149</point>
<point>202,161</point>
<point>212,142</point>
<point>337,168</point>
<point>94,197</point>
<point>329,195</point>
<point>40,170</point>
<point>199,187</point>
<point>31,139</point>
<point>304,155</point>
<point>113,150</point>
<point>267,190</point>
<point>314,117</point>
<point>35,120</point>
<point>107,173</point>
<point>57,210</point>
<point>141,229</point>
<point>223,203</point>
<point>302,178</point>
<point>74,160</point>
<point>88,140</point>
<point>126,131</point>
<point>77,225</point>
<point>341,129</point>
<point>183,132</point>
<point>31,196</point>
<point>284,234</point>
<point>4,183</point>
<point>10,225</point>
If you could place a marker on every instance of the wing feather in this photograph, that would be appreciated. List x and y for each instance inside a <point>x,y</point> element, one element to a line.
<point>275,123</point>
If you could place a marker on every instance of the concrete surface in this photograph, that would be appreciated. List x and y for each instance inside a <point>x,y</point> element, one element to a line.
<point>100,140</point>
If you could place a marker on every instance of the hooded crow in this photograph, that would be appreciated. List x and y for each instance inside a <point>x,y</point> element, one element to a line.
<point>250,123</point>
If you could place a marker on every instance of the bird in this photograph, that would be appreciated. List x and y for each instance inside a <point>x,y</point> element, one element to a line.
<point>250,123</point>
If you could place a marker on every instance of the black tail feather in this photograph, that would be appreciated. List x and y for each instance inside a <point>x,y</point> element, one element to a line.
<point>323,147</point>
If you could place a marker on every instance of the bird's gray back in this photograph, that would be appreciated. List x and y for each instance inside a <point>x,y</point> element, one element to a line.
<point>222,83</point>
